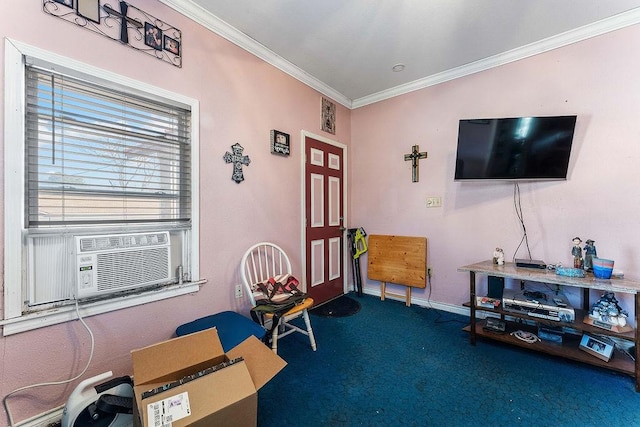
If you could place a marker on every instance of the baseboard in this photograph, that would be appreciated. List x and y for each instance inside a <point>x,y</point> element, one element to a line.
<point>451,308</point>
<point>50,418</point>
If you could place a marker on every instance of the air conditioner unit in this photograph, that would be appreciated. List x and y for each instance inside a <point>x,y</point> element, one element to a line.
<point>111,263</point>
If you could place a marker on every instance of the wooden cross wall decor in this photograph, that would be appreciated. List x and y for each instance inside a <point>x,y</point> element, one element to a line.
<point>238,160</point>
<point>415,156</point>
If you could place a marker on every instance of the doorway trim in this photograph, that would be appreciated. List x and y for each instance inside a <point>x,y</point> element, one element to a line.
<point>303,229</point>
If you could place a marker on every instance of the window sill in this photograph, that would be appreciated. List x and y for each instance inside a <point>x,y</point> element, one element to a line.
<point>55,316</point>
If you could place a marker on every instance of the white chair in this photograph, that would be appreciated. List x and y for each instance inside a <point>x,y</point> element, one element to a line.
<point>261,262</point>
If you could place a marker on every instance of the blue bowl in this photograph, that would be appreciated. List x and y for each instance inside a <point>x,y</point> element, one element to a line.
<point>602,268</point>
<point>602,272</point>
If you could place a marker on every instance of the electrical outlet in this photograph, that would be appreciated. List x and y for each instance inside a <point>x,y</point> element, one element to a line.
<point>429,271</point>
<point>238,291</point>
<point>434,202</point>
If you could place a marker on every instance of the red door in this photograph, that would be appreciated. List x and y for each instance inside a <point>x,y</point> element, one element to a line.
<point>324,220</point>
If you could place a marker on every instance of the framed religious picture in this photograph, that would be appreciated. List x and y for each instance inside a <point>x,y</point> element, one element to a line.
<point>328,116</point>
<point>89,9</point>
<point>152,36</point>
<point>280,143</point>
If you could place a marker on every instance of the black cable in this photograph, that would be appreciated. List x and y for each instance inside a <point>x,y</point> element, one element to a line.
<point>438,312</point>
<point>518,207</point>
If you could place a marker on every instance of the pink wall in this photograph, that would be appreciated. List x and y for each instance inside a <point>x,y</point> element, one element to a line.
<point>241,99</point>
<point>596,79</point>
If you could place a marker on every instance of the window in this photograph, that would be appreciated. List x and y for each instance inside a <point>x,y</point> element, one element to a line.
<point>97,155</point>
<point>93,156</point>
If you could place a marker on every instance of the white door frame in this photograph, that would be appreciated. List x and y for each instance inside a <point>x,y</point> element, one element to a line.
<point>303,226</point>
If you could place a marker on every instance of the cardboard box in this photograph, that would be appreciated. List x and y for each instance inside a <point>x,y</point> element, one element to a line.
<point>190,381</point>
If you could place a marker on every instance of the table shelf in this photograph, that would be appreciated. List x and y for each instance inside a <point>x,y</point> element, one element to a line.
<point>570,347</point>
<point>578,325</point>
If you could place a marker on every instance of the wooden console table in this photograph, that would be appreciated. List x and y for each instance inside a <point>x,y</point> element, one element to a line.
<point>569,348</point>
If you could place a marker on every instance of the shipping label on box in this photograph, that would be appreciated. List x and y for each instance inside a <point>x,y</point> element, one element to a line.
<point>169,410</point>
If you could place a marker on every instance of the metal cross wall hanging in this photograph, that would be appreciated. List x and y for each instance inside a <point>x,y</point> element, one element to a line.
<point>123,22</point>
<point>238,160</point>
<point>415,156</point>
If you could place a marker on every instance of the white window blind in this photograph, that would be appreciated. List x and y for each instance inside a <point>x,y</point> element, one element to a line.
<point>92,153</point>
<point>96,155</point>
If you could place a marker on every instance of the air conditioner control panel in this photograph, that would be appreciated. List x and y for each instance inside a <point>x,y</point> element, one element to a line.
<point>86,275</point>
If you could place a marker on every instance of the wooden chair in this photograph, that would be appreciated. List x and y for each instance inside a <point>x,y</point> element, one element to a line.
<point>261,262</point>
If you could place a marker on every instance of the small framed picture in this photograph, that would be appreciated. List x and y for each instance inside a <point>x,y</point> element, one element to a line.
<point>597,347</point>
<point>89,9</point>
<point>152,36</point>
<point>280,143</point>
<point>171,45</point>
<point>328,116</point>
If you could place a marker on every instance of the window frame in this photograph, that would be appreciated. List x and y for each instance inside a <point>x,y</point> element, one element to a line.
<point>15,262</point>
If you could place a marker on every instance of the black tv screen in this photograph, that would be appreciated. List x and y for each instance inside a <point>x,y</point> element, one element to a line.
<point>511,149</point>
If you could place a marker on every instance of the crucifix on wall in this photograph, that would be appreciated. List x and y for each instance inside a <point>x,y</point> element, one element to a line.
<point>415,156</point>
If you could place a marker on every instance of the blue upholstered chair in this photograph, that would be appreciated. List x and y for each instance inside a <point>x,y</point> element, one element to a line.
<point>233,328</point>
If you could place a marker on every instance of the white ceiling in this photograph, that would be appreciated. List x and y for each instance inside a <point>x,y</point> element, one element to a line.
<point>346,48</point>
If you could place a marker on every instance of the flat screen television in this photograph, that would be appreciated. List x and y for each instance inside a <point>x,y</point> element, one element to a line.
<point>514,149</point>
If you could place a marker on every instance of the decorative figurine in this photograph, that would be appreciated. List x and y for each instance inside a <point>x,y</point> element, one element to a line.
<point>589,254</point>
<point>576,251</point>
<point>607,311</point>
<point>498,256</point>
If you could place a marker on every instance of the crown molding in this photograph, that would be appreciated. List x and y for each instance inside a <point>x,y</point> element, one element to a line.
<point>604,26</point>
<point>223,29</point>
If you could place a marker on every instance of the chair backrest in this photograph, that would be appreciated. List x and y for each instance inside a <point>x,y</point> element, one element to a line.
<point>261,262</point>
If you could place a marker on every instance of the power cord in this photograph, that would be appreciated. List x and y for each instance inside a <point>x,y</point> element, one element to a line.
<point>438,312</point>
<point>518,207</point>
<point>4,400</point>
<point>430,286</point>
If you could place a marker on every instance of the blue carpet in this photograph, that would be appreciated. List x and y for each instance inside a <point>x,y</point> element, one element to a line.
<point>391,365</point>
